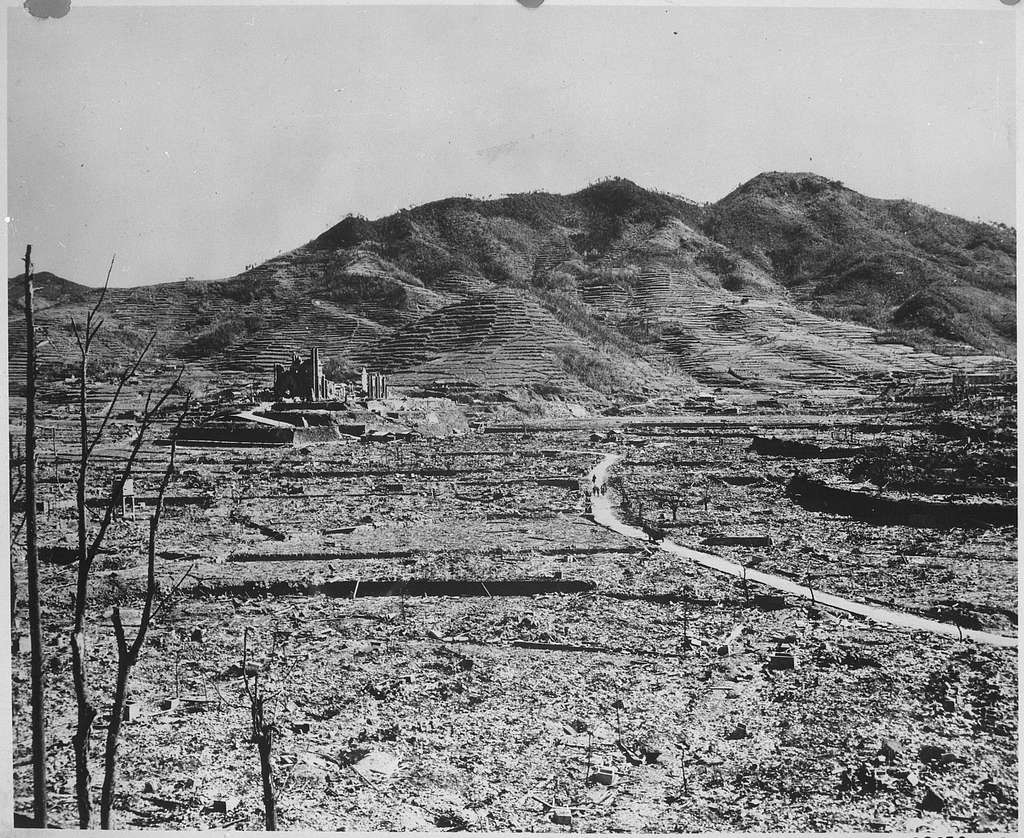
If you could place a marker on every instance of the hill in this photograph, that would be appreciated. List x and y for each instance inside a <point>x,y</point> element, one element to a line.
<point>789,282</point>
<point>894,265</point>
<point>48,290</point>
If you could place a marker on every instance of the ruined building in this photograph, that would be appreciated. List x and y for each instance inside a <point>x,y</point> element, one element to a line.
<point>375,385</point>
<point>304,380</point>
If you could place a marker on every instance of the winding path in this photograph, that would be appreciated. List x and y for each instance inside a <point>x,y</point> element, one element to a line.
<point>605,516</point>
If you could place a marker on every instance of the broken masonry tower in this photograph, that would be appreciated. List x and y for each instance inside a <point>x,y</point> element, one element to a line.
<point>304,380</point>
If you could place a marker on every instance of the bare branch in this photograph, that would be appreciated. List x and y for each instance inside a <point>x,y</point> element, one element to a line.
<point>108,512</point>
<point>173,590</point>
<point>220,695</point>
<point>128,655</point>
<point>262,736</point>
<point>122,645</point>
<point>91,332</point>
<point>125,376</point>
<point>146,422</point>
<point>147,608</point>
<point>154,525</point>
<point>103,291</point>
<point>17,531</point>
<point>77,333</point>
<point>286,681</point>
<point>16,491</point>
<point>84,336</point>
<point>245,661</point>
<point>169,471</point>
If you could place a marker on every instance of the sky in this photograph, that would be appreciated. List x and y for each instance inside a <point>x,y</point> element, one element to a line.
<point>193,141</point>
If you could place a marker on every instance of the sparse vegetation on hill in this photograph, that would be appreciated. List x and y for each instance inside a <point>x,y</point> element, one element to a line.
<point>624,270</point>
<point>350,231</point>
<point>883,263</point>
<point>49,289</point>
<point>576,316</point>
<point>221,335</point>
<point>619,198</point>
<point>340,369</point>
<point>356,288</point>
<point>594,369</point>
<point>254,289</point>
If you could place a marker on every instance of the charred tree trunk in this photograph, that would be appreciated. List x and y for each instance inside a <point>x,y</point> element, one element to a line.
<point>89,547</point>
<point>124,670</point>
<point>83,730</point>
<point>264,745</point>
<point>32,557</point>
<point>82,737</point>
<point>14,596</point>
<point>262,735</point>
<point>128,655</point>
<point>14,493</point>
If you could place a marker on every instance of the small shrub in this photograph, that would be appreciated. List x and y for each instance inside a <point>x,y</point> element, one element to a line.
<point>245,291</point>
<point>641,329</point>
<point>575,315</point>
<point>556,281</point>
<point>221,335</point>
<point>546,389</point>
<point>588,367</point>
<point>733,282</point>
<point>341,369</point>
<point>619,276</point>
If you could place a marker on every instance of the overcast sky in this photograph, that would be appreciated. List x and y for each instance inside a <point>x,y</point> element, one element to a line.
<point>193,141</point>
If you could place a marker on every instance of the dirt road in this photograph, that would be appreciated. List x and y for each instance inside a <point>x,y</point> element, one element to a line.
<point>605,516</point>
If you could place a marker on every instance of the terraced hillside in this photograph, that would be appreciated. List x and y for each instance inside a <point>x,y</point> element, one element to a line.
<point>790,282</point>
<point>890,264</point>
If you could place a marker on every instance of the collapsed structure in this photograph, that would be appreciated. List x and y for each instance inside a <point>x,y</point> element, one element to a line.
<point>375,385</point>
<point>306,381</point>
<point>307,408</point>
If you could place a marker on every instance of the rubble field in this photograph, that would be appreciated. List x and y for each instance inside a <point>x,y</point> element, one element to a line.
<point>454,644</point>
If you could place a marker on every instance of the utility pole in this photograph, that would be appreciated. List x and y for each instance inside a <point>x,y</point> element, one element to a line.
<point>32,556</point>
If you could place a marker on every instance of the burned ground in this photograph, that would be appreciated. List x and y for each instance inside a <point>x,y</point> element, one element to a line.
<point>452,636</point>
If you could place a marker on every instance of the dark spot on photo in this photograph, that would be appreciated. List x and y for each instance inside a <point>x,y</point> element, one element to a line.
<point>48,8</point>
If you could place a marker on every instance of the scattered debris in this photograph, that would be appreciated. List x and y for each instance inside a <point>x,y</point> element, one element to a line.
<point>782,658</point>
<point>376,766</point>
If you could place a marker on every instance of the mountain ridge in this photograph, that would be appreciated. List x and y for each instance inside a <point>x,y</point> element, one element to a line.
<point>789,279</point>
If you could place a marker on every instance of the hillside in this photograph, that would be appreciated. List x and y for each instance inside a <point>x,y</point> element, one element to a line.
<point>49,290</point>
<point>615,291</point>
<point>889,264</point>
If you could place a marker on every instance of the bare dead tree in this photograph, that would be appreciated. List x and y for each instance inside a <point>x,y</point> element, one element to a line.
<point>128,654</point>
<point>89,544</point>
<point>262,734</point>
<point>79,646</point>
<point>32,558</point>
<point>14,499</point>
<point>672,501</point>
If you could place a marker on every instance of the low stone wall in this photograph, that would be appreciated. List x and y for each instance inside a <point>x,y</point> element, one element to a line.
<point>235,432</point>
<point>818,496</point>
<point>314,435</point>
